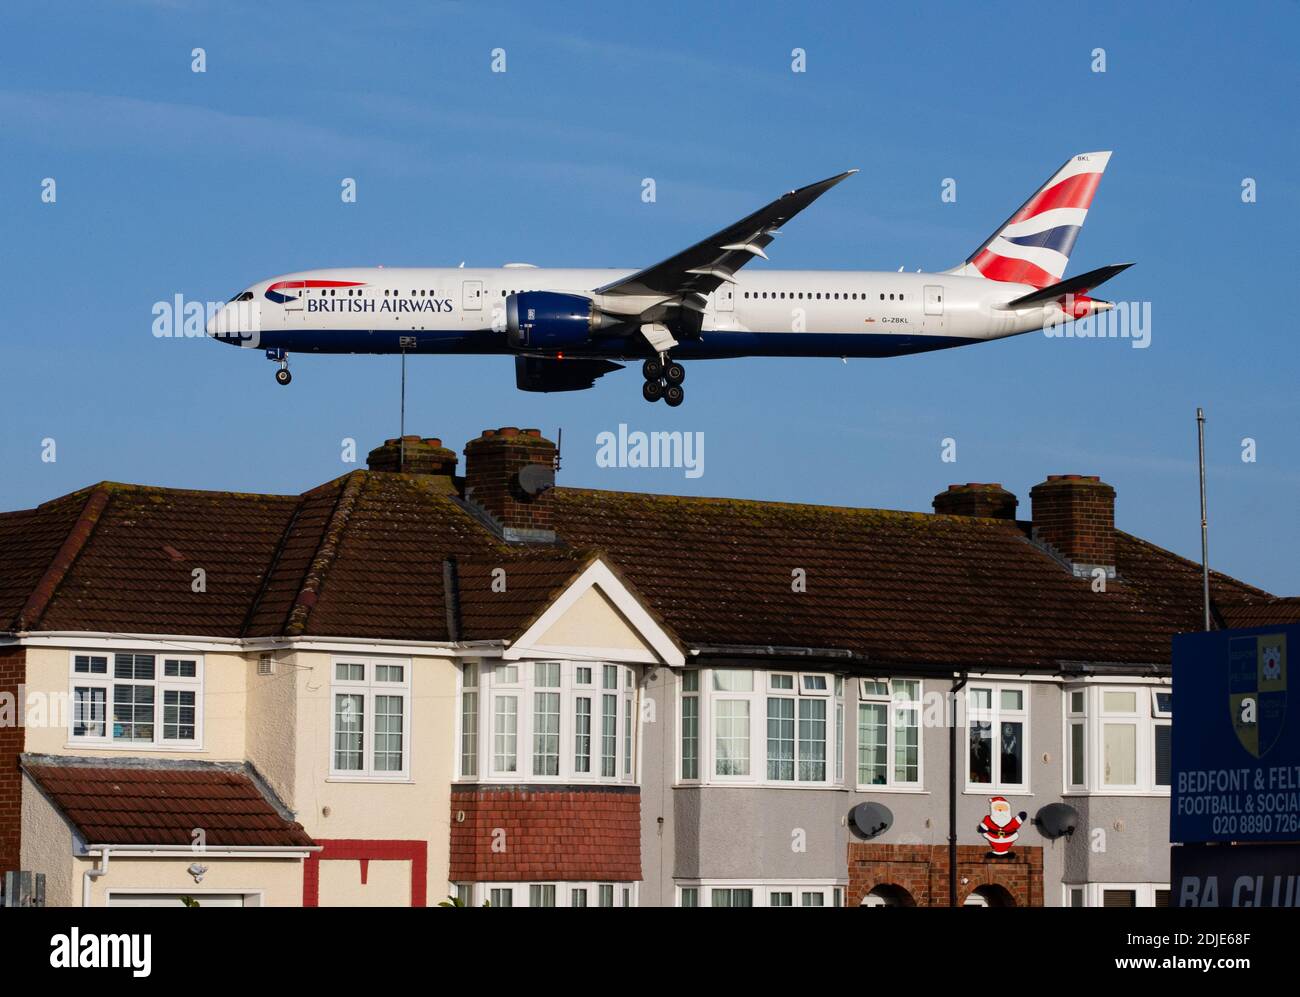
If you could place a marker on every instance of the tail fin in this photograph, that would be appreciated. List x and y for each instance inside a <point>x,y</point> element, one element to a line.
<point>1033,245</point>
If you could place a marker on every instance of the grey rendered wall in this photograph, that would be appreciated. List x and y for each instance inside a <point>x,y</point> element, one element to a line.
<point>693,832</point>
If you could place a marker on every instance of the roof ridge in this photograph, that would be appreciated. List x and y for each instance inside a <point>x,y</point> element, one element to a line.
<point>255,602</point>
<point>57,570</point>
<point>326,552</point>
<point>803,506</point>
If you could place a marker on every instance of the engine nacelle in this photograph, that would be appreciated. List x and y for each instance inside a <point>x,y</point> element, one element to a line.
<point>550,320</point>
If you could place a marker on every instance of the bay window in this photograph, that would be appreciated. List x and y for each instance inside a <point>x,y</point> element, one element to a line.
<point>738,725</point>
<point>136,700</point>
<point>772,893</point>
<point>997,722</point>
<point>889,733</point>
<point>371,700</point>
<point>553,894</point>
<point>555,721</point>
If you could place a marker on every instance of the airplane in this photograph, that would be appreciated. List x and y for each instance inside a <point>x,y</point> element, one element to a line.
<point>567,327</point>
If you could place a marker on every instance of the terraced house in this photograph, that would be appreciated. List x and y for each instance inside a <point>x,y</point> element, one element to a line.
<point>406,684</point>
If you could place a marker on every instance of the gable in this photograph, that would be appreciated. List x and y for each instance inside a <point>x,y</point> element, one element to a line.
<point>593,621</point>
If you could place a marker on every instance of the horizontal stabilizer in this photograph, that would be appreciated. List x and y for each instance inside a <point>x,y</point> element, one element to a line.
<point>560,374</point>
<point>1074,285</point>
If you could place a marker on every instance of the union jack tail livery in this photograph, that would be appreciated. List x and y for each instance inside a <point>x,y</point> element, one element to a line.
<point>1033,245</point>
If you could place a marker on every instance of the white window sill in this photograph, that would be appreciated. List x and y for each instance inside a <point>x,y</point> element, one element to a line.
<point>1156,794</point>
<point>196,749</point>
<point>540,780</point>
<point>800,786</point>
<point>997,791</point>
<point>914,790</point>
<point>371,780</point>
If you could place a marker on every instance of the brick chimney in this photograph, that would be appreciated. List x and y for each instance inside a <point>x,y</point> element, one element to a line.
<point>990,501</point>
<point>1074,517</point>
<point>413,455</point>
<point>508,476</point>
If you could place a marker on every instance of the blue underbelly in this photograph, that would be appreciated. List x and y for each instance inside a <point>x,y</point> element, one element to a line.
<point>710,346</point>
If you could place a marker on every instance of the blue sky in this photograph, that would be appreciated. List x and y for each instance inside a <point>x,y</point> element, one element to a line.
<point>173,182</point>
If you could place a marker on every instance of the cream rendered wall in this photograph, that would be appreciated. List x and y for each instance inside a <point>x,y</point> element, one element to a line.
<point>271,715</point>
<point>414,810</point>
<point>592,621</point>
<point>224,693</point>
<point>279,880</point>
<point>47,845</point>
<point>388,884</point>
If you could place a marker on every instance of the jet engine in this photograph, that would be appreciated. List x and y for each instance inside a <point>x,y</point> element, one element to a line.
<point>550,320</point>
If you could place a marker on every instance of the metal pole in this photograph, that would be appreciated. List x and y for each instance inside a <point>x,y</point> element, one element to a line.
<point>401,430</point>
<point>1205,530</point>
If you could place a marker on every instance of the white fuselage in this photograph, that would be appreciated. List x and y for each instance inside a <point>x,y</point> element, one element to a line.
<point>763,313</point>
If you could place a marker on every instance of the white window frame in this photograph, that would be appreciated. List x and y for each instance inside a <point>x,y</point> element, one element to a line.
<point>161,683</point>
<point>1145,893</point>
<point>755,697</point>
<point>1144,718</point>
<point>493,678</point>
<point>624,894</point>
<point>893,700</point>
<point>369,688</point>
<point>830,891</point>
<point>995,715</point>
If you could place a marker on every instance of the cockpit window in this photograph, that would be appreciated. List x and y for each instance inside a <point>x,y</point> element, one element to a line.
<point>245,296</point>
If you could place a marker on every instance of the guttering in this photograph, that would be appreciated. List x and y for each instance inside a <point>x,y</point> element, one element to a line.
<point>1076,668</point>
<point>775,651</point>
<point>223,852</point>
<point>61,638</point>
<point>94,872</point>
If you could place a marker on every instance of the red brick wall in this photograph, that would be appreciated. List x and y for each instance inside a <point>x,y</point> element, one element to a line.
<point>1075,515</point>
<point>566,833</point>
<point>13,674</point>
<point>922,870</point>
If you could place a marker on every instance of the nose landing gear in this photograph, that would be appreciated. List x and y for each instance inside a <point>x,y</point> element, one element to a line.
<point>663,379</point>
<point>282,376</point>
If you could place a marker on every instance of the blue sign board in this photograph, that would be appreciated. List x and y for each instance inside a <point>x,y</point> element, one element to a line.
<point>1236,750</point>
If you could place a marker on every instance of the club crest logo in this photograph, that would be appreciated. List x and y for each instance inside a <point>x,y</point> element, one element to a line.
<point>1257,690</point>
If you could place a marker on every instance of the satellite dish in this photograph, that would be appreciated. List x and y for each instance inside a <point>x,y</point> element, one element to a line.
<point>867,820</point>
<point>1057,820</point>
<point>534,479</point>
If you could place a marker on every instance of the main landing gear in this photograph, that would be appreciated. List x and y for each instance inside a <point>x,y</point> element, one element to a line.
<point>663,379</point>
<point>282,376</point>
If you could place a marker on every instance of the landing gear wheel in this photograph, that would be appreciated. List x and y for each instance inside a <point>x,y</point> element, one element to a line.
<point>674,395</point>
<point>652,369</point>
<point>652,391</point>
<point>282,376</point>
<point>674,373</point>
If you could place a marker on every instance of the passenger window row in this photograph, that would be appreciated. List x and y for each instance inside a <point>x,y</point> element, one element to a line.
<point>818,296</point>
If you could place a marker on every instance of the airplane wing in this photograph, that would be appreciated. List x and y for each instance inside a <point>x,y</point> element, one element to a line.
<point>697,272</point>
<point>571,374</point>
